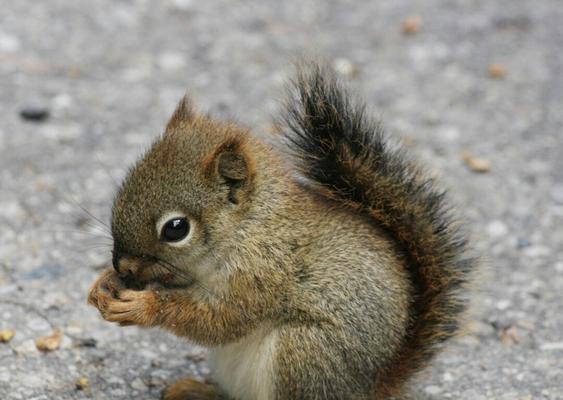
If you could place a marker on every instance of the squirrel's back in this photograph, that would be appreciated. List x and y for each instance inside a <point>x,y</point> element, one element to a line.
<point>345,158</point>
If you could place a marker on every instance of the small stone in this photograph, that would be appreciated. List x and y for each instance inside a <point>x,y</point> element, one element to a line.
<point>476,164</point>
<point>551,346</point>
<point>496,229</point>
<point>497,71</point>
<point>34,114</point>
<point>6,335</point>
<point>9,43</point>
<point>345,67</point>
<point>503,304</point>
<point>412,25</point>
<point>49,343</point>
<point>87,342</point>
<point>522,243</point>
<point>448,377</point>
<point>537,251</point>
<point>448,133</point>
<point>433,390</point>
<point>27,348</point>
<point>82,383</point>
<point>184,5</point>
<point>557,193</point>
<point>172,61</point>
<point>62,101</point>
<point>138,384</point>
<point>509,336</point>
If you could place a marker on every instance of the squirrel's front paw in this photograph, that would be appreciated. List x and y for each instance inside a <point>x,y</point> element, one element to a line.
<point>106,286</point>
<point>118,304</point>
<point>132,307</point>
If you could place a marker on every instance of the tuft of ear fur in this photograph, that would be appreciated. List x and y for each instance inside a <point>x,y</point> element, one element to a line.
<point>184,113</point>
<point>232,165</point>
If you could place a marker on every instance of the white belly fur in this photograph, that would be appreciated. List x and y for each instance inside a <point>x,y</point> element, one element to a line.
<point>244,369</point>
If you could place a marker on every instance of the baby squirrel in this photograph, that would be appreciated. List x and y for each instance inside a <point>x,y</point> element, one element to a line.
<point>337,275</point>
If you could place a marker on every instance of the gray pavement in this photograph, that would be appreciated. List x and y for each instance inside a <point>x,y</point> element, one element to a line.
<point>110,73</point>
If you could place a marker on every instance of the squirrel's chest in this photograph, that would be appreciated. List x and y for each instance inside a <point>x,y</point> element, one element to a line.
<point>244,369</point>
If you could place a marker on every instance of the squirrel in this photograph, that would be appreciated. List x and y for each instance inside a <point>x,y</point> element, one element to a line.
<point>333,269</point>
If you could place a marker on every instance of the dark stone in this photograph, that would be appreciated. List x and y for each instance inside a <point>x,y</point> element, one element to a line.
<point>34,114</point>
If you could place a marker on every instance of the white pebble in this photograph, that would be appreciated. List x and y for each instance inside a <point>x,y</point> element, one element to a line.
<point>343,66</point>
<point>183,4</point>
<point>8,43</point>
<point>448,133</point>
<point>138,384</point>
<point>552,346</point>
<point>497,229</point>
<point>172,61</point>
<point>503,304</point>
<point>433,390</point>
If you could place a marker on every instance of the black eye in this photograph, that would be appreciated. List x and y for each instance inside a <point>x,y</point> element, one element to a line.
<point>175,229</point>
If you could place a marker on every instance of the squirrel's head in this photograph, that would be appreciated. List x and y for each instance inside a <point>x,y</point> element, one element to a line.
<point>179,204</point>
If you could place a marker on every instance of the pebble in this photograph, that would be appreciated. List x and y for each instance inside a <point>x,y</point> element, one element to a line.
<point>34,113</point>
<point>184,5</point>
<point>522,243</point>
<point>62,101</point>
<point>503,304</point>
<point>476,164</point>
<point>448,377</point>
<point>27,348</point>
<point>344,67</point>
<point>172,61</point>
<point>557,194</point>
<point>6,335</point>
<point>138,384</point>
<point>537,251</point>
<point>448,133</point>
<point>433,390</point>
<point>496,229</point>
<point>9,43</point>
<point>552,346</point>
<point>497,71</point>
<point>51,342</point>
<point>82,383</point>
<point>411,25</point>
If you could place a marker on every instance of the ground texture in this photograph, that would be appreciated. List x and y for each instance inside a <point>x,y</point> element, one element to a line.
<point>109,74</point>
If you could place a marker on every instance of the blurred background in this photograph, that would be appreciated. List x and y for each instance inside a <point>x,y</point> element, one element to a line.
<point>472,87</point>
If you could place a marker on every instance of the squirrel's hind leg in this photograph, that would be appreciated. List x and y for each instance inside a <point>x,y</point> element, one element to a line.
<point>190,389</point>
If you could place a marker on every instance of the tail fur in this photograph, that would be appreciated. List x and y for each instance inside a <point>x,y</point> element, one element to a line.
<point>345,156</point>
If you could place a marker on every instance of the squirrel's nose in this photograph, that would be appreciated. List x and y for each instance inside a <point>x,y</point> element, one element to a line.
<point>125,265</point>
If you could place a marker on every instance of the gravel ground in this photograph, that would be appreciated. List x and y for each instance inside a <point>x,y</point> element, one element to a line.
<point>109,74</point>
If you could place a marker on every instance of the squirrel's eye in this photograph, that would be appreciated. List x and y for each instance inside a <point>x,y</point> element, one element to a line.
<point>175,229</point>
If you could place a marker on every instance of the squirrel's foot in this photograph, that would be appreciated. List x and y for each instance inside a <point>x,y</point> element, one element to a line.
<point>190,389</point>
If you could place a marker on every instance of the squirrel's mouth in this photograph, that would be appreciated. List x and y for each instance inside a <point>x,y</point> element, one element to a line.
<point>166,281</point>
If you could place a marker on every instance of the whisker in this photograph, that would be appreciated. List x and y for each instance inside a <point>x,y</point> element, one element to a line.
<point>91,248</point>
<point>107,171</point>
<point>78,232</point>
<point>71,199</point>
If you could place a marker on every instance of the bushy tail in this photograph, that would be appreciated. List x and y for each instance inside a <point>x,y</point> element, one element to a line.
<point>345,157</point>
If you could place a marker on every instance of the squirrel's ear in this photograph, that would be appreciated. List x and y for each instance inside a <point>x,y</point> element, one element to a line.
<point>233,167</point>
<point>184,113</point>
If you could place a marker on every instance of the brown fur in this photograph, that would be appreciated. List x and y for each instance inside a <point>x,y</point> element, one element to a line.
<point>355,297</point>
<point>193,390</point>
